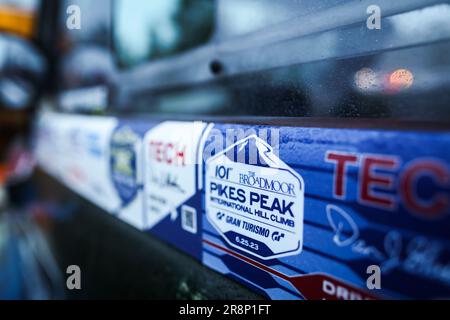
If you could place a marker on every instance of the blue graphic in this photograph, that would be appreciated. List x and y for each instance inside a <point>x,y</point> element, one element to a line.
<point>123,161</point>
<point>372,197</point>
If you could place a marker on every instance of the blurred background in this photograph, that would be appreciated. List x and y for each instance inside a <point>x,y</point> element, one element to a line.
<point>282,61</point>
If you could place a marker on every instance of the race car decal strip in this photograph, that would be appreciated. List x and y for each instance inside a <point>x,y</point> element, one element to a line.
<point>276,208</point>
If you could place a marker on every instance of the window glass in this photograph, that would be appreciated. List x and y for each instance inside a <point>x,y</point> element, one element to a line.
<point>145,30</point>
<point>399,72</point>
<point>95,24</point>
<point>86,56</point>
<point>26,5</point>
<point>238,17</point>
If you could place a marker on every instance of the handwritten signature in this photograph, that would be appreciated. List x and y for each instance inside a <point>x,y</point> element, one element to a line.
<point>420,255</point>
<point>168,181</point>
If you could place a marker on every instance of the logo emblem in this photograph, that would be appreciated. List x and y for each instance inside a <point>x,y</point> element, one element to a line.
<point>124,144</point>
<point>256,208</point>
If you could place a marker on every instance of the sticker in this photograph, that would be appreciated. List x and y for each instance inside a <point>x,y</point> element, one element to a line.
<point>124,145</point>
<point>374,198</point>
<point>256,208</point>
<point>325,287</point>
<point>79,155</point>
<point>313,286</point>
<point>170,168</point>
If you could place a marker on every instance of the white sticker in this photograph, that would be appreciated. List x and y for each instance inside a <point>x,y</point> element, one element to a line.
<point>256,208</point>
<point>170,151</point>
<point>75,149</point>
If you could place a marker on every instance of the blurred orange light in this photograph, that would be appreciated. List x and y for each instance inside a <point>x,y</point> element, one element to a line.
<point>401,79</point>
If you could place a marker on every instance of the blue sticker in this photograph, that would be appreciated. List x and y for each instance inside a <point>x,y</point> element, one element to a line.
<point>370,199</point>
<point>124,142</point>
